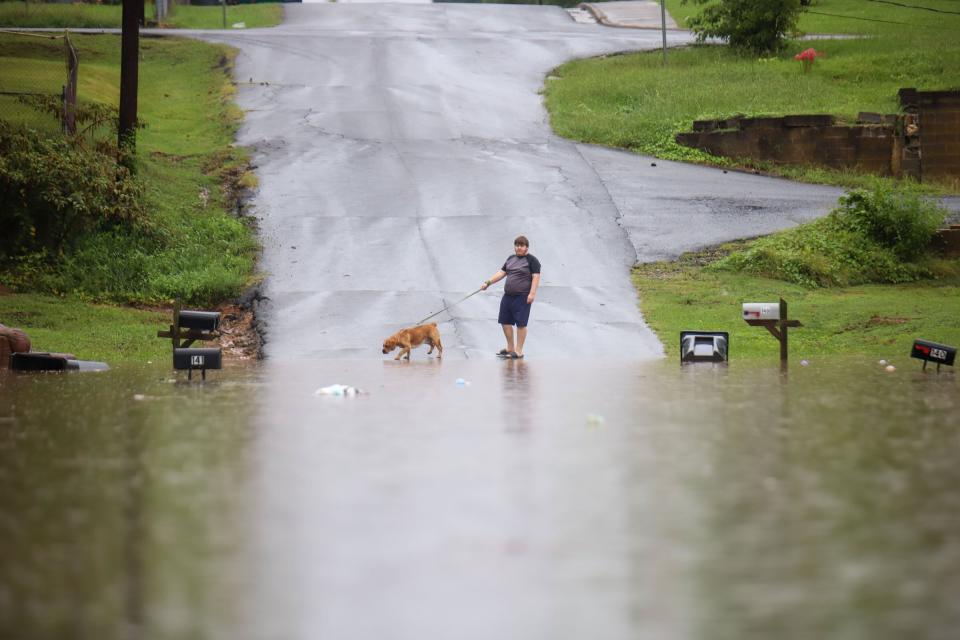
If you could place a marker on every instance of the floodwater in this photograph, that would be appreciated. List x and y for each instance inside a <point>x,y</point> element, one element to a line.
<point>537,500</point>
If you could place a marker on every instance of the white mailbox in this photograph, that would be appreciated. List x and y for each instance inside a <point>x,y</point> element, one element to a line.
<point>761,311</point>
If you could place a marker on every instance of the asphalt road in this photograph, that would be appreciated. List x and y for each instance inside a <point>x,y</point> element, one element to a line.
<point>401,148</point>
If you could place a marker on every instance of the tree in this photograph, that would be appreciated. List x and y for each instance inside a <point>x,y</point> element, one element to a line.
<point>757,26</point>
<point>131,13</point>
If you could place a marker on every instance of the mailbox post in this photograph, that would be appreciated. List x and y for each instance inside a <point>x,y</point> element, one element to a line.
<point>774,318</point>
<point>187,327</point>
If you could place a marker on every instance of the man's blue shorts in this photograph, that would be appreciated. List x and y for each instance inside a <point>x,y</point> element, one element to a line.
<point>514,310</point>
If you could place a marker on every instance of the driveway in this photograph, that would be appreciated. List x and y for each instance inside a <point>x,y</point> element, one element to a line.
<point>401,148</point>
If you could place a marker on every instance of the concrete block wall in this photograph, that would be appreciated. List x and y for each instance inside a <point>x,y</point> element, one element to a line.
<point>947,241</point>
<point>805,139</point>
<point>923,142</point>
<point>938,115</point>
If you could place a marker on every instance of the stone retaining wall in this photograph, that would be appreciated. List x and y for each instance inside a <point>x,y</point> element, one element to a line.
<point>938,115</point>
<point>809,139</point>
<point>923,142</point>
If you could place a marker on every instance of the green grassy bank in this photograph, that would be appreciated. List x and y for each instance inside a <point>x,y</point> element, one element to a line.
<point>877,320</point>
<point>633,102</point>
<point>190,245</point>
<point>90,331</point>
<point>863,280</point>
<point>76,16</point>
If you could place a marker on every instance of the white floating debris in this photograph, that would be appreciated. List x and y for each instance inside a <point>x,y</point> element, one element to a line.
<point>595,420</point>
<point>239,25</point>
<point>891,368</point>
<point>139,396</point>
<point>337,390</point>
<point>882,363</point>
<point>804,363</point>
<point>460,382</point>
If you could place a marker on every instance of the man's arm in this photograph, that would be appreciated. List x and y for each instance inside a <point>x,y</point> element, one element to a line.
<point>534,283</point>
<point>497,277</point>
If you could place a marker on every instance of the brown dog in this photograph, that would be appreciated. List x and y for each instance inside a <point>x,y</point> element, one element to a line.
<point>407,339</point>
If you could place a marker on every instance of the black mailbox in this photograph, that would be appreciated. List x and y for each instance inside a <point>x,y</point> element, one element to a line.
<point>199,320</point>
<point>188,327</point>
<point>704,346</point>
<point>42,361</point>
<point>34,361</point>
<point>194,358</point>
<point>933,352</point>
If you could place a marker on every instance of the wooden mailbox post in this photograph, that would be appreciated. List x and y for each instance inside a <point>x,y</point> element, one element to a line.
<point>778,327</point>
<point>187,327</point>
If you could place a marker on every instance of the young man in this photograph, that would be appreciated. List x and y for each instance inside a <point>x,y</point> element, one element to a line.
<point>522,272</point>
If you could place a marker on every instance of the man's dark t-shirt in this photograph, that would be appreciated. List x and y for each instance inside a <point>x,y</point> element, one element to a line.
<point>520,270</point>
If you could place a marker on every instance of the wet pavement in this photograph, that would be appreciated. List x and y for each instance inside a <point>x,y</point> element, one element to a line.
<point>631,14</point>
<point>400,149</point>
<point>539,500</point>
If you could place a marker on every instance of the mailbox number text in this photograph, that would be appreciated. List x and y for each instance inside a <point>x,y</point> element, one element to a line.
<point>196,361</point>
<point>938,354</point>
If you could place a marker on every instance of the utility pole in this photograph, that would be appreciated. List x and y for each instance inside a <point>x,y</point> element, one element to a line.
<point>129,54</point>
<point>663,27</point>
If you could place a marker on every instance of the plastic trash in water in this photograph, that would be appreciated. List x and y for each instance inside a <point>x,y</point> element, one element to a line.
<point>804,363</point>
<point>891,368</point>
<point>339,390</point>
<point>460,382</point>
<point>882,363</point>
<point>239,25</point>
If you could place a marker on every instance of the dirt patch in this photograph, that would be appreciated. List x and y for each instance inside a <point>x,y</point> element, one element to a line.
<point>882,321</point>
<point>876,321</point>
<point>688,262</point>
<point>239,338</point>
<point>237,335</point>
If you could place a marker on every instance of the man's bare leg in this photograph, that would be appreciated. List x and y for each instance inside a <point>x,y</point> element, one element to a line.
<point>521,338</point>
<point>508,334</point>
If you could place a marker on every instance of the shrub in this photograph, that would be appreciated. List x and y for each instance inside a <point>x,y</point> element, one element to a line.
<point>757,26</point>
<point>873,236</point>
<point>902,220</point>
<point>54,191</point>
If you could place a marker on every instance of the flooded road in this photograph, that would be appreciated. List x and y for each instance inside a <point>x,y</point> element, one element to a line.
<point>537,499</point>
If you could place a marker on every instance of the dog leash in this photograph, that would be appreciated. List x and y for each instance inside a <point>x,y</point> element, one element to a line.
<point>451,306</point>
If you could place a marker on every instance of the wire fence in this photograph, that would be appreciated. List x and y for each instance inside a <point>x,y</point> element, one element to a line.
<point>39,75</point>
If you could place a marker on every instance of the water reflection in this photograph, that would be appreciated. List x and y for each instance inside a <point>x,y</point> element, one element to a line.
<point>707,502</point>
<point>518,394</point>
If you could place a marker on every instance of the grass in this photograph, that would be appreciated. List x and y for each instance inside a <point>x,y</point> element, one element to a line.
<point>197,250</point>
<point>633,102</point>
<point>34,14</point>
<point>89,331</point>
<point>252,15</point>
<point>855,17</point>
<point>877,240</point>
<point>874,320</point>
<point>874,236</point>
<point>201,253</point>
